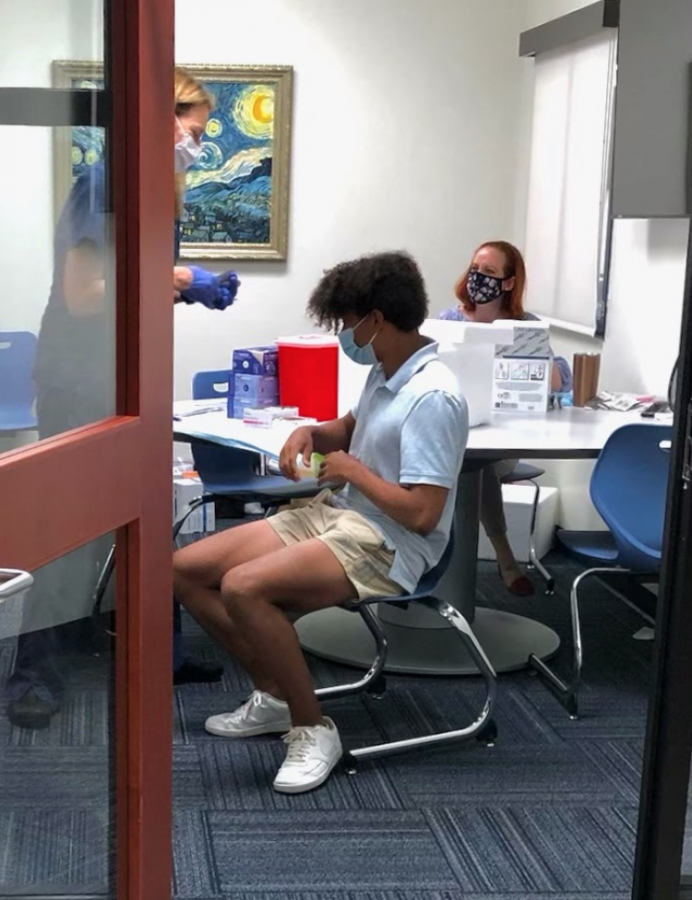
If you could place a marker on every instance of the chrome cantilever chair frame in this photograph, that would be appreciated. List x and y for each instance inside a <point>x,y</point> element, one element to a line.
<point>373,682</point>
<point>534,561</point>
<point>638,454</point>
<point>525,473</point>
<point>567,692</point>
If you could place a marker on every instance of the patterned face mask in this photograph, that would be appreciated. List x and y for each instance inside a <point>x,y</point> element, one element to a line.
<point>484,288</point>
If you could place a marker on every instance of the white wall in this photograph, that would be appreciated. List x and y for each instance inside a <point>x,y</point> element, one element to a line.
<point>403,137</point>
<point>539,11</point>
<point>644,304</point>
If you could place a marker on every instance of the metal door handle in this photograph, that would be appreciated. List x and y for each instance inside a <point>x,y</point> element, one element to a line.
<point>13,581</point>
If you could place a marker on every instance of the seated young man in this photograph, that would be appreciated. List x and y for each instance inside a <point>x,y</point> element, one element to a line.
<point>396,458</point>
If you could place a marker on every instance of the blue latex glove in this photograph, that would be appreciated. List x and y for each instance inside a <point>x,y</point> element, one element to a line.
<point>212,291</point>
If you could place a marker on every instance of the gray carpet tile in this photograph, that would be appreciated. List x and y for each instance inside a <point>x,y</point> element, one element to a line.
<point>503,775</point>
<point>353,850</point>
<point>620,762</point>
<point>196,873</point>
<point>413,895</point>
<point>539,850</point>
<point>43,776</point>
<point>238,775</point>
<point>53,850</point>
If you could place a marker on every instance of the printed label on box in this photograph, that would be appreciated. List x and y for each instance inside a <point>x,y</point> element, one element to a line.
<point>521,385</point>
<point>256,391</point>
<point>256,360</point>
<point>530,341</point>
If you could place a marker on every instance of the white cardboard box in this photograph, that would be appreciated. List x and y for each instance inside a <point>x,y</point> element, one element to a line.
<point>521,378</point>
<point>518,501</point>
<point>202,520</point>
<point>467,348</point>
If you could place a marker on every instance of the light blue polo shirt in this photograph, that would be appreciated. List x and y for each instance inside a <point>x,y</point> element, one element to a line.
<point>410,429</point>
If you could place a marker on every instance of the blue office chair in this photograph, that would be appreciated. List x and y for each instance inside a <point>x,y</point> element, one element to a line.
<point>231,472</point>
<point>525,472</point>
<point>214,385</point>
<point>211,385</point>
<point>483,729</point>
<point>628,489</point>
<point>17,389</point>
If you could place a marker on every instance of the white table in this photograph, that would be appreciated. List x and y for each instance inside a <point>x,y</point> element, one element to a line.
<point>418,641</point>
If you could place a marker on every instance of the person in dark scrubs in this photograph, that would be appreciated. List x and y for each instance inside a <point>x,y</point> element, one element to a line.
<point>75,379</point>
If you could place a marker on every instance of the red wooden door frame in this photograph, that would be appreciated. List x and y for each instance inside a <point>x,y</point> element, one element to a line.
<point>116,474</point>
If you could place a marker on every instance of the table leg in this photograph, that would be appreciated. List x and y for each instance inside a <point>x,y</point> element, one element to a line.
<point>420,642</point>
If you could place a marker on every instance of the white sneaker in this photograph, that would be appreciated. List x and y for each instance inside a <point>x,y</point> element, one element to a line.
<point>312,754</point>
<point>261,714</point>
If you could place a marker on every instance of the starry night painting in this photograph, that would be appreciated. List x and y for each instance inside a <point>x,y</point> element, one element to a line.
<point>236,203</point>
<point>77,148</point>
<point>236,200</point>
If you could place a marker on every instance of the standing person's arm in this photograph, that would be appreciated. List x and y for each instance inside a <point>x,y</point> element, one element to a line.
<point>182,279</point>
<point>83,284</point>
<point>82,236</point>
<point>193,284</point>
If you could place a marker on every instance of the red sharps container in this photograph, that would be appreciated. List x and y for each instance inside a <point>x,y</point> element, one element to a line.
<point>309,374</point>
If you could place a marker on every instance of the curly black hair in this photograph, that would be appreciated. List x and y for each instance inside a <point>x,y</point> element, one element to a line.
<point>389,282</point>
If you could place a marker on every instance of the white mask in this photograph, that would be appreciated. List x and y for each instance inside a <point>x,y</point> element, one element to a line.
<point>187,151</point>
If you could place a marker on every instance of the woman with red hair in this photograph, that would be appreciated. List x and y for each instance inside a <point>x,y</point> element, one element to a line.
<point>491,288</point>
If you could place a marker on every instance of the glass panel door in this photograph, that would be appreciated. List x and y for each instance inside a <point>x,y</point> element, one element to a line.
<point>85,434</point>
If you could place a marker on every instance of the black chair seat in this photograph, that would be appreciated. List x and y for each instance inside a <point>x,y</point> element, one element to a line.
<point>522,472</point>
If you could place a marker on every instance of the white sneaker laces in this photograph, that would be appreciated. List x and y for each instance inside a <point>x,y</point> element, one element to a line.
<point>300,741</point>
<point>255,699</point>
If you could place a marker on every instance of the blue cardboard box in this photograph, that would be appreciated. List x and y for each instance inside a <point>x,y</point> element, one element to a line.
<point>256,391</point>
<point>256,361</point>
<point>254,379</point>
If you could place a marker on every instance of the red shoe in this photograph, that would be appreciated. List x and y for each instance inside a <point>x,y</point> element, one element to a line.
<point>522,586</point>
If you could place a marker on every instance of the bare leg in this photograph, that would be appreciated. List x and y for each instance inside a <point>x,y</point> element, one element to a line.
<point>198,572</point>
<point>237,585</point>
<point>509,567</point>
<point>301,577</point>
<point>205,605</point>
<point>493,520</point>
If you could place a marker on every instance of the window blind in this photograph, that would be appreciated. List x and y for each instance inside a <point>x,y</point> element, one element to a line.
<point>568,214</point>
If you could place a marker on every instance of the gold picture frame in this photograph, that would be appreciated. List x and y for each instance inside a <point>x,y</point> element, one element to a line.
<point>237,201</point>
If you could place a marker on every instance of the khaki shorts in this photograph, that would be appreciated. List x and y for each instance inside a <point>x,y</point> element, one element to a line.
<point>358,546</point>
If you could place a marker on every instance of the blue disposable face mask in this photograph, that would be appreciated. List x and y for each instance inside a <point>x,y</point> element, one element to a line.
<point>484,288</point>
<point>365,355</point>
<point>187,151</point>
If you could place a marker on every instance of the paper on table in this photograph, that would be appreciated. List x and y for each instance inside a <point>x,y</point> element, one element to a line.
<point>185,408</point>
<point>612,401</point>
<point>220,429</point>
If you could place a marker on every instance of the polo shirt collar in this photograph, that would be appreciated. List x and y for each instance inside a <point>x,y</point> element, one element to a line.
<point>412,365</point>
